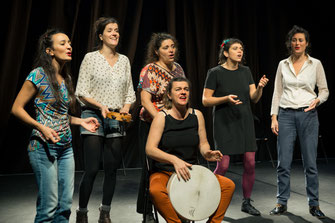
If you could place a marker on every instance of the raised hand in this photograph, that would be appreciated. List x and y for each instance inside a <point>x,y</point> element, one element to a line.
<point>213,156</point>
<point>263,82</point>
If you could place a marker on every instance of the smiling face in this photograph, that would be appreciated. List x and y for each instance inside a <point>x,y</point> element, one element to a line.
<point>180,93</point>
<point>298,44</point>
<point>234,53</point>
<point>166,52</point>
<point>61,48</point>
<point>110,36</point>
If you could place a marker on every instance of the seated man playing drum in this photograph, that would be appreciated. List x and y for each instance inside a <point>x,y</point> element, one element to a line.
<point>176,135</point>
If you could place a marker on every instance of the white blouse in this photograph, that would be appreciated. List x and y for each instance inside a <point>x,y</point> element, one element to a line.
<point>110,86</point>
<point>296,91</point>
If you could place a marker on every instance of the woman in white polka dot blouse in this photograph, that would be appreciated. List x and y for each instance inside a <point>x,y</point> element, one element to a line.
<point>104,84</point>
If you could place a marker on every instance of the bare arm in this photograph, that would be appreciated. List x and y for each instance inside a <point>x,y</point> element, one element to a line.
<point>26,93</point>
<point>93,103</point>
<point>256,93</point>
<point>204,146</point>
<point>91,123</point>
<point>147,104</point>
<point>208,100</point>
<point>152,150</point>
<point>125,109</point>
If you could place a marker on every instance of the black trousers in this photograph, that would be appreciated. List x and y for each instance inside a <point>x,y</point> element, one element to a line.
<point>143,193</point>
<point>97,148</point>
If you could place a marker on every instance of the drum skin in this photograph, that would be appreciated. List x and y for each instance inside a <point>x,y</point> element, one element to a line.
<point>197,198</point>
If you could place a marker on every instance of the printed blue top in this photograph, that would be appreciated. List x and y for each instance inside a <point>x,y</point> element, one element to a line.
<point>49,112</point>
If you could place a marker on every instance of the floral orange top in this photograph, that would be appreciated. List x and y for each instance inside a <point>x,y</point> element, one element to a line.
<point>154,79</point>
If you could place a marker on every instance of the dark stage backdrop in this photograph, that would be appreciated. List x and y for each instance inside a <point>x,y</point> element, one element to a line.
<point>199,27</point>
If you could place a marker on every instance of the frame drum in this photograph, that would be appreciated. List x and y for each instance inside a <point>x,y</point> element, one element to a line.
<point>197,198</point>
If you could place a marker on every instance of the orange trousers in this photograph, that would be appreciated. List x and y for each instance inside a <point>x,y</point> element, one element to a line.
<point>161,200</point>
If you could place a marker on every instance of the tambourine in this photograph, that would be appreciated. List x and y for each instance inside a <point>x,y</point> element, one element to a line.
<point>120,117</point>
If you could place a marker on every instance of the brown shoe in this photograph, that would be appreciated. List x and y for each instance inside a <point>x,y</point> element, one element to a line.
<point>81,217</point>
<point>104,217</point>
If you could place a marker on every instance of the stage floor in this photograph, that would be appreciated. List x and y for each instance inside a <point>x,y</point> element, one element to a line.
<point>18,196</point>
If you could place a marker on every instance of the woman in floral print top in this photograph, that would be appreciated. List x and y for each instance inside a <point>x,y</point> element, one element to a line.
<point>160,68</point>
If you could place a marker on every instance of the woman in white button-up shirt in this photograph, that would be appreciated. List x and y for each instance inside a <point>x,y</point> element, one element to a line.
<point>294,114</point>
<point>104,85</point>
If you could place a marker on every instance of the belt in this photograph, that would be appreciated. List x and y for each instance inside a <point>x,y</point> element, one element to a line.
<point>95,109</point>
<point>295,109</point>
<point>114,110</point>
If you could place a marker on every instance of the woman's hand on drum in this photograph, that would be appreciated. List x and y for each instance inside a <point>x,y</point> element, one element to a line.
<point>213,156</point>
<point>182,169</point>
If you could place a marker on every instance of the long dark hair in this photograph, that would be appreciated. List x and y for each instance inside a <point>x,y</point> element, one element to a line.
<point>154,45</point>
<point>99,27</point>
<point>225,45</point>
<point>296,29</point>
<point>44,60</point>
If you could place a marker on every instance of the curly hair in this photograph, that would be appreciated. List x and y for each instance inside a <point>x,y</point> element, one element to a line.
<point>225,46</point>
<point>154,45</point>
<point>296,29</point>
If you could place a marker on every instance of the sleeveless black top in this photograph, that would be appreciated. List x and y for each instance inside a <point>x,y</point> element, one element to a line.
<point>179,138</point>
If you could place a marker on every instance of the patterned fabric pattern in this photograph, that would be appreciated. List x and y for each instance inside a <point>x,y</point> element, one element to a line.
<point>49,112</point>
<point>110,86</point>
<point>154,79</point>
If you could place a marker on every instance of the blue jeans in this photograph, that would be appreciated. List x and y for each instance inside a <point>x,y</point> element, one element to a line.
<point>55,181</point>
<point>109,128</point>
<point>305,126</point>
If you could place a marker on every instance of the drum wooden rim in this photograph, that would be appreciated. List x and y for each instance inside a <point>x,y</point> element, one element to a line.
<point>198,198</point>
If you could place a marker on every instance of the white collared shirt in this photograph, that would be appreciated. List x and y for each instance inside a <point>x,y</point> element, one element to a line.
<point>110,86</point>
<point>296,91</point>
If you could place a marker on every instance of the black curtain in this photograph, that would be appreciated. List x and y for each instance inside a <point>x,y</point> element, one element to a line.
<point>199,27</point>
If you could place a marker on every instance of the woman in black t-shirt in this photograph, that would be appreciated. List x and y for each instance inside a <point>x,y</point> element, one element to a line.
<point>229,88</point>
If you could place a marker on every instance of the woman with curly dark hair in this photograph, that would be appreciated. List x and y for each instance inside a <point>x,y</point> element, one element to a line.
<point>294,114</point>
<point>160,68</point>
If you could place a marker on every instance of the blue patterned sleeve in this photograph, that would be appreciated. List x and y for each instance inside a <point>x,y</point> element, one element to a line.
<point>36,76</point>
